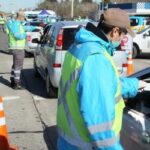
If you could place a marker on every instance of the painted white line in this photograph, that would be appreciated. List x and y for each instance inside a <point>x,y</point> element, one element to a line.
<point>38,98</point>
<point>6,98</point>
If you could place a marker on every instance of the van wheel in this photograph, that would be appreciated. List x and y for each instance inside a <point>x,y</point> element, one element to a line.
<point>36,73</point>
<point>27,55</point>
<point>135,51</point>
<point>50,90</point>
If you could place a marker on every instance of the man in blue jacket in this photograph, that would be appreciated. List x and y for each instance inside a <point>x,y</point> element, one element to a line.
<point>90,103</point>
<point>17,43</point>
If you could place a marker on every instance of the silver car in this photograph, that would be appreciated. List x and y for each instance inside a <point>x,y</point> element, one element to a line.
<point>50,53</point>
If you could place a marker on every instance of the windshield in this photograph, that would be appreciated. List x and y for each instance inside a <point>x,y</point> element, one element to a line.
<point>32,16</point>
<point>134,22</point>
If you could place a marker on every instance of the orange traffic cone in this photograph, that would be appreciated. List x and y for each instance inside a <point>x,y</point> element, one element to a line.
<point>130,64</point>
<point>4,145</point>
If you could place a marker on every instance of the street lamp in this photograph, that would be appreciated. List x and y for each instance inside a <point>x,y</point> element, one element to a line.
<point>72,8</point>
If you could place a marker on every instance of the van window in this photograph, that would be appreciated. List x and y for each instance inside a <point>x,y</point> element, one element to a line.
<point>32,16</point>
<point>68,37</point>
<point>134,22</point>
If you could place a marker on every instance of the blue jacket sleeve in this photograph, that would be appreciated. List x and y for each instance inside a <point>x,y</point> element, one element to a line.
<point>96,90</point>
<point>16,31</point>
<point>129,86</point>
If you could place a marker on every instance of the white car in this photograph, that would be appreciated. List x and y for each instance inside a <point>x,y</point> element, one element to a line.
<point>141,43</point>
<point>30,46</point>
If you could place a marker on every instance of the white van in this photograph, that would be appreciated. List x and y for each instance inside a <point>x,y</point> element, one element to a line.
<point>141,43</point>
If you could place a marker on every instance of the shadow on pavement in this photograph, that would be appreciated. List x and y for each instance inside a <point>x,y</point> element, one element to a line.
<point>50,137</point>
<point>9,52</point>
<point>36,85</point>
<point>4,81</point>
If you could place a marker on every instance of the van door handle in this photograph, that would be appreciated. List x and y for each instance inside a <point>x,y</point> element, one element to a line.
<point>146,137</point>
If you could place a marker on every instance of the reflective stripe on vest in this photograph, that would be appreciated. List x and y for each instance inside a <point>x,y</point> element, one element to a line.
<point>15,43</point>
<point>120,105</point>
<point>93,129</point>
<point>89,145</point>
<point>73,76</point>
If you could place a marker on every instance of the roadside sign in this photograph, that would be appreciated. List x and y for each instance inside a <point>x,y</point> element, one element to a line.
<point>127,43</point>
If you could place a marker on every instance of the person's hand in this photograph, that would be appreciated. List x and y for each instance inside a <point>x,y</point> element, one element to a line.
<point>142,85</point>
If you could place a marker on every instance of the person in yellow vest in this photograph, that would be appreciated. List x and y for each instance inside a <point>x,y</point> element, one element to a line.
<point>17,43</point>
<point>2,23</point>
<point>90,103</point>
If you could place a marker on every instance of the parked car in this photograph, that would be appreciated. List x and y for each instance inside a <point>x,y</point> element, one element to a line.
<point>30,46</point>
<point>136,121</point>
<point>141,43</point>
<point>50,53</point>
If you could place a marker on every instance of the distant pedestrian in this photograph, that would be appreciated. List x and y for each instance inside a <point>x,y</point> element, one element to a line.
<point>2,23</point>
<point>17,45</point>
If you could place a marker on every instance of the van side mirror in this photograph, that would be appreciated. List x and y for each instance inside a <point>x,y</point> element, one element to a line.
<point>145,35</point>
<point>36,40</point>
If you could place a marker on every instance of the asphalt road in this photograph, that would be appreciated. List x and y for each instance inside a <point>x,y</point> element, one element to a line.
<point>30,115</point>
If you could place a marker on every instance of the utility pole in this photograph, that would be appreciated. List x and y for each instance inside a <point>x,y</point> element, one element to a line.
<point>72,8</point>
<point>100,8</point>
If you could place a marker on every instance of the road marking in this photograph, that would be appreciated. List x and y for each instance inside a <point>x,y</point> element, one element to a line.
<point>6,98</point>
<point>38,98</point>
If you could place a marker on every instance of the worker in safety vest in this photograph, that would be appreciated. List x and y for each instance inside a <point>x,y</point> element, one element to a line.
<point>90,103</point>
<point>2,23</point>
<point>17,44</point>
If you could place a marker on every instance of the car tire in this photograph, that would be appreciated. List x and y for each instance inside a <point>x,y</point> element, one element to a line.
<point>28,55</point>
<point>50,90</point>
<point>36,73</point>
<point>135,51</point>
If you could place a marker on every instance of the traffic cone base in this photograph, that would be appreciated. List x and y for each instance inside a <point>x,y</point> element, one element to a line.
<point>4,144</point>
<point>130,68</point>
<point>13,148</point>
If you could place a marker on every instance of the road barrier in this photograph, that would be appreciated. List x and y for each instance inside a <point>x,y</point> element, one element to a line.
<point>4,142</point>
<point>130,68</point>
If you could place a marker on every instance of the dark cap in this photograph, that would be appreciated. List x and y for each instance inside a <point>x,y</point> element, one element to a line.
<point>119,18</point>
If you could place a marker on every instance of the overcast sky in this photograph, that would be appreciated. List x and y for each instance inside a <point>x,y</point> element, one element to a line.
<point>14,5</point>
